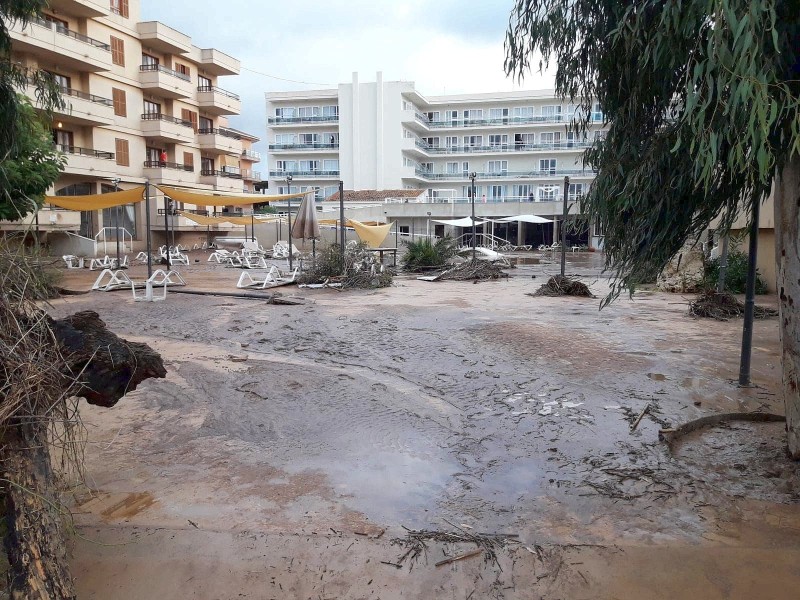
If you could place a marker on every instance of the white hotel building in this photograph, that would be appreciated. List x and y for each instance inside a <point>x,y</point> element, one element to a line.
<point>387,136</point>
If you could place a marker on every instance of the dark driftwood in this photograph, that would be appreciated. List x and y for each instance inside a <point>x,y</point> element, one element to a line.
<point>105,367</point>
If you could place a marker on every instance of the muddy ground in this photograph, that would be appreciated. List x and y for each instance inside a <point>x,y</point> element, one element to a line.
<point>290,447</point>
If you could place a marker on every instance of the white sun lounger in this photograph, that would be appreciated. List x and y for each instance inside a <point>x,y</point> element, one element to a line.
<point>111,280</point>
<point>72,261</point>
<point>270,278</point>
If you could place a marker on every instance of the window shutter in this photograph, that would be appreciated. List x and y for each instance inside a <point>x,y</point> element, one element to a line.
<point>123,8</point>
<point>123,155</point>
<point>188,160</point>
<point>117,51</point>
<point>120,103</point>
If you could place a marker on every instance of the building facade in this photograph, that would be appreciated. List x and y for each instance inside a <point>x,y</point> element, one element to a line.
<point>142,103</point>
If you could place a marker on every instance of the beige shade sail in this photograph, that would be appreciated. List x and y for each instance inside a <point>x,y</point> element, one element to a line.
<point>201,199</point>
<point>371,235</point>
<point>306,224</point>
<point>234,220</point>
<point>97,201</point>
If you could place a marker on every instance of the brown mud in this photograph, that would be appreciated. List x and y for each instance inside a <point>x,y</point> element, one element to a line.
<point>434,406</point>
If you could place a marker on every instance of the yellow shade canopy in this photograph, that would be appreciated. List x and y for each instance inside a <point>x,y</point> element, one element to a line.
<point>235,220</point>
<point>98,201</point>
<point>200,199</point>
<point>371,235</point>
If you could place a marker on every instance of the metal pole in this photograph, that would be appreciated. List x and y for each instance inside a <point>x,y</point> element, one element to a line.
<point>147,225</point>
<point>289,213</point>
<point>564,228</point>
<point>343,232</point>
<point>474,230</point>
<point>749,301</point>
<point>396,236</point>
<point>166,231</point>
<point>116,219</point>
<point>723,266</point>
<point>252,228</point>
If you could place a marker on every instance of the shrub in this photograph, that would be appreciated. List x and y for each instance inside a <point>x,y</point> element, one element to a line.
<point>735,274</point>
<point>422,253</point>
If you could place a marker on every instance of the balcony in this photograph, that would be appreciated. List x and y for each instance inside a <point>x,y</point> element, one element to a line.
<point>55,44</point>
<point>164,39</point>
<point>220,141</point>
<point>304,147</point>
<point>169,173</point>
<point>249,175</point>
<point>318,174</point>
<point>502,148</point>
<point>81,8</point>
<point>461,176</point>
<point>165,82</point>
<point>225,179</point>
<point>218,63</point>
<point>251,155</point>
<point>318,120</point>
<point>88,161</point>
<point>82,108</point>
<point>161,127</point>
<point>217,101</point>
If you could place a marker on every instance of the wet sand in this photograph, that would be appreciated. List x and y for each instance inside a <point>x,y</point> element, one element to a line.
<point>290,445</point>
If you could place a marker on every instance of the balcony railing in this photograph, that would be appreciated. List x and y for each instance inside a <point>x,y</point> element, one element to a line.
<point>221,173</point>
<point>163,69</point>
<point>69,33</point>
<point>424,174</point>
<point>248,174</point>
<point>316,119</point>
<point>86,96</point>
<point>251,154</point>
<point>211,88</point>
<point>501,147</point>
<point>219,131</point>
<point>167,118</point>
<point>85,151</point>
<point>527,120</point>
<point>157,164</point>
<point>312,146</point>
<point>312,173</point>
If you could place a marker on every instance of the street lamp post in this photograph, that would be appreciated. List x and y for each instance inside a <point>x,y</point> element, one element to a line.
<point>429,227</point>
<point>116,219</point>
<point>472,177</point>
<point>289,212</point>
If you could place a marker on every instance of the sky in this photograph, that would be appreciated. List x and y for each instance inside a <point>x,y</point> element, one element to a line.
<point>443,46</point>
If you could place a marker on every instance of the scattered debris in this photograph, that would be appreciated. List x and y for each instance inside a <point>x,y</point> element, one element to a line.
<point>640,417</point>
<point>416,541</point>
<point>362,267</point>
<point>563,286</point>
<point>724,306</point>
<point>670,434</point>
<point>478,270</point>
<point>453,559</point>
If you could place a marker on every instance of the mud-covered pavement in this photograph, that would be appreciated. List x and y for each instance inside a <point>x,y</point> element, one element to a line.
<point>289,445</point>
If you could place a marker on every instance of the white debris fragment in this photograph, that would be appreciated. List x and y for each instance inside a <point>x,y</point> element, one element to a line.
<point>546,411</point>
<point>571,404</point>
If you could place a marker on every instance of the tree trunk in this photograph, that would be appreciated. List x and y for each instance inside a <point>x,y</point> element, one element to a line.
<point>34,539</point>
<point>787,255</point>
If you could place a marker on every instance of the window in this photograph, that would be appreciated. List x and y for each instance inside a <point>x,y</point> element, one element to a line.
<point>547,166</point>
<point>152,108</point>
<point>330,111</point>
<point>204,83</point>
<point>498,141</point>
<point>524,140</point>
<point>152,155</point>
<point>473,141</point>
<point>452,116</point>
<point>451,168</point>
<point>523,192</point>
<point>309,165</point>
<point>190,116</point>
<point>206,165</point>
<point>497,192</point>
<point>206,124</point>
<point>308,111</point>
<point>499,114</point>
<point>574,138</point>
<point>63,140</point>
<point>330,164</point>
<point>286,165</point>
<point>451,141</point>
<point>330,138</point>
<point>120,103</point>
<point>465,169</point>
<point>597,114</point>
<point>575,191</point>
<point>62,81</point>
<point>600,135</point>
<point>426,167</point>
<point>433,115</point>
<point>404,229</point>
<point>285,112</point>
<point>183,69</point>
<point>149,60</point>
<point>598,229</point>
<point>59,23</point>
<point>120,7</point>
<point>497,167</point>
<point>432,142</point>
<point>548,192</point>
<point>123,153</point>
<point>473,114</point>
<point>188,160</point>
<point>117,51</point>
<point>552,112</point>
<point>285,138</point>
<point>550,137</point>
<point>523,113</point>
<point>76,189</point>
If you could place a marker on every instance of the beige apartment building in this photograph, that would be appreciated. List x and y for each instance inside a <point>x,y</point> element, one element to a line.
<point>143,103</point>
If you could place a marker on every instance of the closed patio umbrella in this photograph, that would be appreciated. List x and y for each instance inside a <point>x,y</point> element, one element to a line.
<point>306,224</point>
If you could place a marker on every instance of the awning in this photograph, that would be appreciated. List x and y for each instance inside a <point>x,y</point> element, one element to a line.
<point>525,219</point>
<point>234,220</point>
<point>465,222</point>
<point>222,199</point>
<point>97,201</point>
<point>371,235</point>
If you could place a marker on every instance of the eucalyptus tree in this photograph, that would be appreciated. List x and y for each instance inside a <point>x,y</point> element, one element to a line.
<point>702,101</point>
